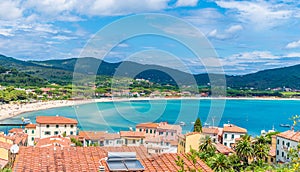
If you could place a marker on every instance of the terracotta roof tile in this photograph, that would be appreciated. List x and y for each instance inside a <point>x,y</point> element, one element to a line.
<point>54,141</point>
<point>30,126</point>
<point>147,125</point>
<point>210,130</point>
<point>16,130</point>
<point>134,134</point>
<point>55,120</point>
<point>223,149</point>
<point>291,135</point>
<point>233,129</point>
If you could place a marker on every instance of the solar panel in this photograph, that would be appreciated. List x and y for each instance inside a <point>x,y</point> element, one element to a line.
<point>123,161</point>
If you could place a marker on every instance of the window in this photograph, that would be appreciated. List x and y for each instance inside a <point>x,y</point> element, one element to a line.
<point>277,153</point>
<point>47,126</point>
<point>150,131</point>
<point>225,137</point>
<point>107,142</point>
<point>167,133</point>
<point>32,139</point>
<point>278,141</point>
<point>232,136</point>
<point>172,134</point>
<point>32,131</point>
<point>140,130</point>
<point>55,132</point>
<point>133,141</point>
<point>282,142</point>
<point>225,144</point>
<point>154,131</point>
<point>288,144</point>
<point>25,131</point>
<point>47,133</point>
<point>167,144</point>
<point>65,126</point>
<point>57,126</point>
<point>161,133</point>
<point>282,154</point>
<point>71,132</point>
<point>272,159</point>
<point>142,141</point>
<point>161,143</point>
<point>72,126</point>
<point>146,130</point>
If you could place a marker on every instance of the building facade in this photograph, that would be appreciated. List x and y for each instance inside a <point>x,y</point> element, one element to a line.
<point>231,133</point>
<point>284,142</point>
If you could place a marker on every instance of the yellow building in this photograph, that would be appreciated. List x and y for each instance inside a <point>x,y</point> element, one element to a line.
<point>188,141</point>
<point>272,153</point>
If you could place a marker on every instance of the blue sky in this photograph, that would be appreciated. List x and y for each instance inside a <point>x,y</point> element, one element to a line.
<point>248,36</point>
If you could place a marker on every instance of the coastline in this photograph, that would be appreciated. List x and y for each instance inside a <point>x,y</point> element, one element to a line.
<point>12,110</point>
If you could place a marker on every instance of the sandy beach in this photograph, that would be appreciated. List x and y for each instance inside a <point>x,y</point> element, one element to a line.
<point>11,110</point>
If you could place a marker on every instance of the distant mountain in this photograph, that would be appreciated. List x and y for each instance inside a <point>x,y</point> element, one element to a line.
<point>61,71</point>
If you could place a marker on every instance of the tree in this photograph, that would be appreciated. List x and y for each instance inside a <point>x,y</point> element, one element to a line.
<point>244,149</point>
<point>180,164</point>
<point>207,146</point>
<point>198,125</point>
<point>219,162</point>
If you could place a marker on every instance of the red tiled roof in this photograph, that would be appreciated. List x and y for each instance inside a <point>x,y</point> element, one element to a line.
<point>210,130</point>
<point>98,135</point>
<point>5,145</point>
<point>17,138</point>
<point>147,125</point>
<point>16,130</point>
<point>87,159</point>
<point>30,126</point>
<point>223,149</point>
<point>134,134</point>
<point>55,120</point>
<point>233,129</point>
<point>291,135</point>
<point>54,141</point>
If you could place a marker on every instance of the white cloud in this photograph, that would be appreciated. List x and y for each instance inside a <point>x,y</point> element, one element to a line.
<point>262,14</point>
<point>295,44</point>
<point>295,54</point>
<point>10,10</point>
<point>228,33</point>
<point>185,3</point>
<point>6,32</point>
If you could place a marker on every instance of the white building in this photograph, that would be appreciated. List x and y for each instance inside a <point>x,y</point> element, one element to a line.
<point>158,145</point>
<point>100,138</point>
<point>47,126</point>
<point>231,133</point>
<point>212,132</point>
<point>285,141</point>
<point>132,138</point>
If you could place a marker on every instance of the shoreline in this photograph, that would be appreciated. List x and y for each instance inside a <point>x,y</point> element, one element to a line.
<point>12,110</point>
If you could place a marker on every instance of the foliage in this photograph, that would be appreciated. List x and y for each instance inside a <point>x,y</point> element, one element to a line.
<point>198,125</point>
<point>77,142</point>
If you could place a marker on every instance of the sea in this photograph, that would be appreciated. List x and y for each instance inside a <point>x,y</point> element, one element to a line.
<point>254,115</point>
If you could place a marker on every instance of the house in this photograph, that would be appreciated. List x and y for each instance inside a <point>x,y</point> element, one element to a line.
<point>98,159</point>
<point>158,145</point>
<point>30,129</point>
<point>212,132</point>
<point>132,138</point>
<point>5,154</point>
<point>162,129</point>
<point>220,148</point>
<point>100,138</point>
<point>271,159</point>
<point>231,133</point>
<point>285,141</point>
<point>188,141</point>
<point>48,126</point>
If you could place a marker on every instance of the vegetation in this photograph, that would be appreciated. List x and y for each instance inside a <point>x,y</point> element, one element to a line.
<point>77,142</point>
<point>198,125</point>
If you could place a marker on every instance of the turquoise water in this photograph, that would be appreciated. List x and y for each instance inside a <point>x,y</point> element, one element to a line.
<point>254,115</point>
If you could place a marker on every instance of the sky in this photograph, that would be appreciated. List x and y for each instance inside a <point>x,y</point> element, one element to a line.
<point>248,36</point>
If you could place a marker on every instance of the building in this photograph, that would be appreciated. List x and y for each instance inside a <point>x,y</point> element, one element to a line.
<point>70,159</point>
<point>30,129</point>
<point>285,141</point>
<point>231,133</point>
<point>272,152</point>
<point>162,129</point>
<point>5,154</point>
<point>132,138</point>
<point>212,132</point>
<point>220,148</point>
<point>158,145</point>
<point>100,138</point>
<point>188,141</point>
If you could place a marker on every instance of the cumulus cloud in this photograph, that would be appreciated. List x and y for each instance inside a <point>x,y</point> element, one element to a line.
<point>295,44</point>
<point>10,10</point>
<point>185,3</point>
<point>263,14</point>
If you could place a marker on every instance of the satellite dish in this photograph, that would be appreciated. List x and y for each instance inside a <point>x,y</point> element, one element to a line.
<point>14,149</point>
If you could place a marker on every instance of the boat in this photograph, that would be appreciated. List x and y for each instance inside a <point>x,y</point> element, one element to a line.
<point>192,123</point>
<point>26,120</point>
<point>285,125</point>
<point>181,123</point>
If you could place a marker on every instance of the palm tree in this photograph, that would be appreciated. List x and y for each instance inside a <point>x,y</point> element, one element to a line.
<point>235,162</point>
<point>207,146</point>
<point>261,150</point>
<point>244,149</point>
<point>219,162</point>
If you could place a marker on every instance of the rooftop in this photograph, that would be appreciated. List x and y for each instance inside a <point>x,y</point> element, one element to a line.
<point>16,130</point>
<point>30,126</point>
<point>223,149</point>
<point>71,159</point>
<point>55,120</point>
<point>147,125</point>
<point>291,135</point>
<point>134,134</point>
<point>98,135</point>
<point>54,141</point>
<point>233,129</point>
<point>210,130</point>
